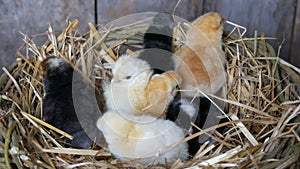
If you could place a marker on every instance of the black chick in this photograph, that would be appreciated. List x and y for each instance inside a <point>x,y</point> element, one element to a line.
<point>157,43</point>
<point>61,102</point>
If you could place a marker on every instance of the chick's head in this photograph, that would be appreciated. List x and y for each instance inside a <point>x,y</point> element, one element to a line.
<point>129,70</point>
<point>211,20</point>
<point>174,80</point>
<point>209,25</point>
<point>126,92</point>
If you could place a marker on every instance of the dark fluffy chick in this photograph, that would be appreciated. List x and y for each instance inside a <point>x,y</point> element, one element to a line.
<point>58,104</point>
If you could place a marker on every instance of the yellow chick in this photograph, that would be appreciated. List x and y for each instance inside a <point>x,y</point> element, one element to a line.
<point>135,90</point>
<point>146,139</point>
<point>201,61</point>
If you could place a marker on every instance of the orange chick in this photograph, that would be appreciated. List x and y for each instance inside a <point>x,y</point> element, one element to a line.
<point>200,62</point>
<point>160,91</point>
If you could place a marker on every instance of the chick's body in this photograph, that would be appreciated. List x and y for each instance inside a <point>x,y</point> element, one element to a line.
<point>145,138</point>
<point>201,61</point>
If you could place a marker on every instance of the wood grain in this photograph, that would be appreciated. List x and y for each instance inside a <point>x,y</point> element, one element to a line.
<point>31,17</point>
<point>274,18</point>
<point>109,10</point>
<point>295,47</point>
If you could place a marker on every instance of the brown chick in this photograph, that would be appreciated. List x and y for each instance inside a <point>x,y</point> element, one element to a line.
<point>201,61</point>
<point>160,91</point>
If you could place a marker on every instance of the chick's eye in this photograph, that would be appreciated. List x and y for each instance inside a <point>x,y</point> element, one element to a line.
<point>128,77</point>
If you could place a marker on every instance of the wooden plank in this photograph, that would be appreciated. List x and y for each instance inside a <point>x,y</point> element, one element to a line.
<point>273,17</point>
<point>109,10</point>
<point>295,49</point>
<point>31,17</point>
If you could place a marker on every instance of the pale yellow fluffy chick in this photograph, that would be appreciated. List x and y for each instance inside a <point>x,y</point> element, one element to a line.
<point>143,138</point>
<point>200,62</point>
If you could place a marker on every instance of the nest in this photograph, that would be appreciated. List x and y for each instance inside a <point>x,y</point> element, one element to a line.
<point>262,102</point>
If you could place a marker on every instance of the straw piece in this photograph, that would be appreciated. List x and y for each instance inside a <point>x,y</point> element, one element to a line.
<point>72,151</point>
<point>48,47</point>
<point>47,125</point>
<point>98,37</point>
<point>218,158</point>
<point>245,131</point>
<point>14,81</point>
<point>203,152</point>
<point>42,131</point>
<point>45,157</point>
<point>6,144</point>
<point>95,164</point>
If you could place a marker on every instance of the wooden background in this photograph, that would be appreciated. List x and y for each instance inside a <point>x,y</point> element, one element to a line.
<point>275,18</point>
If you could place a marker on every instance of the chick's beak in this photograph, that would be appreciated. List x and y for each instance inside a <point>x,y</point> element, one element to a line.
<point>174,81</point>
<point>116,80</point>
<point>222,20</point>
<point>175,78</point>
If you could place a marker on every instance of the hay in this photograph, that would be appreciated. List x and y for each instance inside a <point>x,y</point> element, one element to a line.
<point>262,102</point>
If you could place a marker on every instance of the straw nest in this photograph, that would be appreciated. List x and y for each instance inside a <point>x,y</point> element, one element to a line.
<point>262,102</point>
